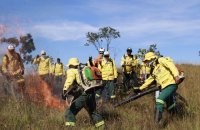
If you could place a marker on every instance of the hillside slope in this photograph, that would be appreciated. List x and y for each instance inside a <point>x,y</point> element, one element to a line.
<point>137,115</point>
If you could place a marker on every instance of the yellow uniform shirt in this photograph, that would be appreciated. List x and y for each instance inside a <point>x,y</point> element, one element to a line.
<point>108,69</point>
<point>164,73</point>
<point>129,63</point>
<point>59,69</point>
<point>12,64</point>
<point>44,65</point>
<point>72,76</point>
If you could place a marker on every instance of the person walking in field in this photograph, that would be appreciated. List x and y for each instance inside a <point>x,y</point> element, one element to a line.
<point>13,70</point>
<point>109,74</point>
<point>166,74</point>
<point>81,98</point>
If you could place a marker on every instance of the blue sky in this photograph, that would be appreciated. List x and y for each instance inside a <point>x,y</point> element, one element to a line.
<point>60,26</point>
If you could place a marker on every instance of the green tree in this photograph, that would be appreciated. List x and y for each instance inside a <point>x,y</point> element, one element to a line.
<point>152,48</point>
<point>105,35</point>
<point>25,44</point>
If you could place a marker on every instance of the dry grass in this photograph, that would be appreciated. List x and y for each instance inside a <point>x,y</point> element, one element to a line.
<point>137,115</point>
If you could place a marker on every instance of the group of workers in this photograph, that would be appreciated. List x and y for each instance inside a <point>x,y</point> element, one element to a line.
<point>153,68</point>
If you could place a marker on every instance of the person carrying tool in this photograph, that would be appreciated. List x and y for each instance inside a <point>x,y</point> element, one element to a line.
<point>129,64</point>
<point>109,76</point>
<point>166,74</point>
<point>13,70</point>
<point>44,66</point>
<point>81,98</point>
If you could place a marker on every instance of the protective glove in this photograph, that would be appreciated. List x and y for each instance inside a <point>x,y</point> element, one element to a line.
<point>137,89</point>
<point>37,56</point>
<point>90,58</point>
<point>179,79</point>
<point>64,95</point>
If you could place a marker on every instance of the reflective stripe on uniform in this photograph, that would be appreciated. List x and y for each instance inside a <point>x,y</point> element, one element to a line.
<point>113,96</point>
<point>70,123</point>
<point>100,123</point>
<point>97,95</point>
<point>20,80</point>
<point>172,106</point>
<point>160,101</point>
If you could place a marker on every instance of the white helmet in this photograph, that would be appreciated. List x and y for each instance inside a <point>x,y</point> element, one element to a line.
<point>11,47</point>
<point>101,50</point>
<point>43,52</point>
<point>106,53</point>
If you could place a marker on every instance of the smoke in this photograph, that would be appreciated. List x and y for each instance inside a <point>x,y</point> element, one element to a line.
<point>3,51</point>
<point>11,30</point>
<point>38,91</point>
<point>3,29</point>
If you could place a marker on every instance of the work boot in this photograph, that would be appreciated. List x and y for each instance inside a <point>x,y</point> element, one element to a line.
<point>158,116</point>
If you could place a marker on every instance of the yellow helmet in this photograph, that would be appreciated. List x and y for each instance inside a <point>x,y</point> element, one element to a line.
<point>73,61</point>
<point>149,56</point>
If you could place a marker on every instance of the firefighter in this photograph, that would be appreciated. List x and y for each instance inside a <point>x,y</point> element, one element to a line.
<point>98,60</point>
<point>165,73</point>
<point>80,97</point>
<point>13,70</point>
<point>129,65</point>
<point>58,74</point>
<point>109,76</point>
<point>44,66</point>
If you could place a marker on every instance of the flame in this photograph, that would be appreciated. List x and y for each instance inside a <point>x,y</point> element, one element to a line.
<point>42,93</point>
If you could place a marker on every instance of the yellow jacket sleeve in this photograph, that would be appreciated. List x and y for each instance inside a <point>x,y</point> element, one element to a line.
<point>115,69</point>
<point>70,79</point>
<point>36,61</point>
<point>78,80</point>
<point>4,64</point>
<point>135,62</point>
<point>169,65</point>
<point>50,66</point>
<point>122,60</point>
<point>147,83</point>
<point>63,71</point>
<point>53,66</point>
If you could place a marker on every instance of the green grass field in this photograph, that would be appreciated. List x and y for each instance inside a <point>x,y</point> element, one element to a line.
<point>137,115</point>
